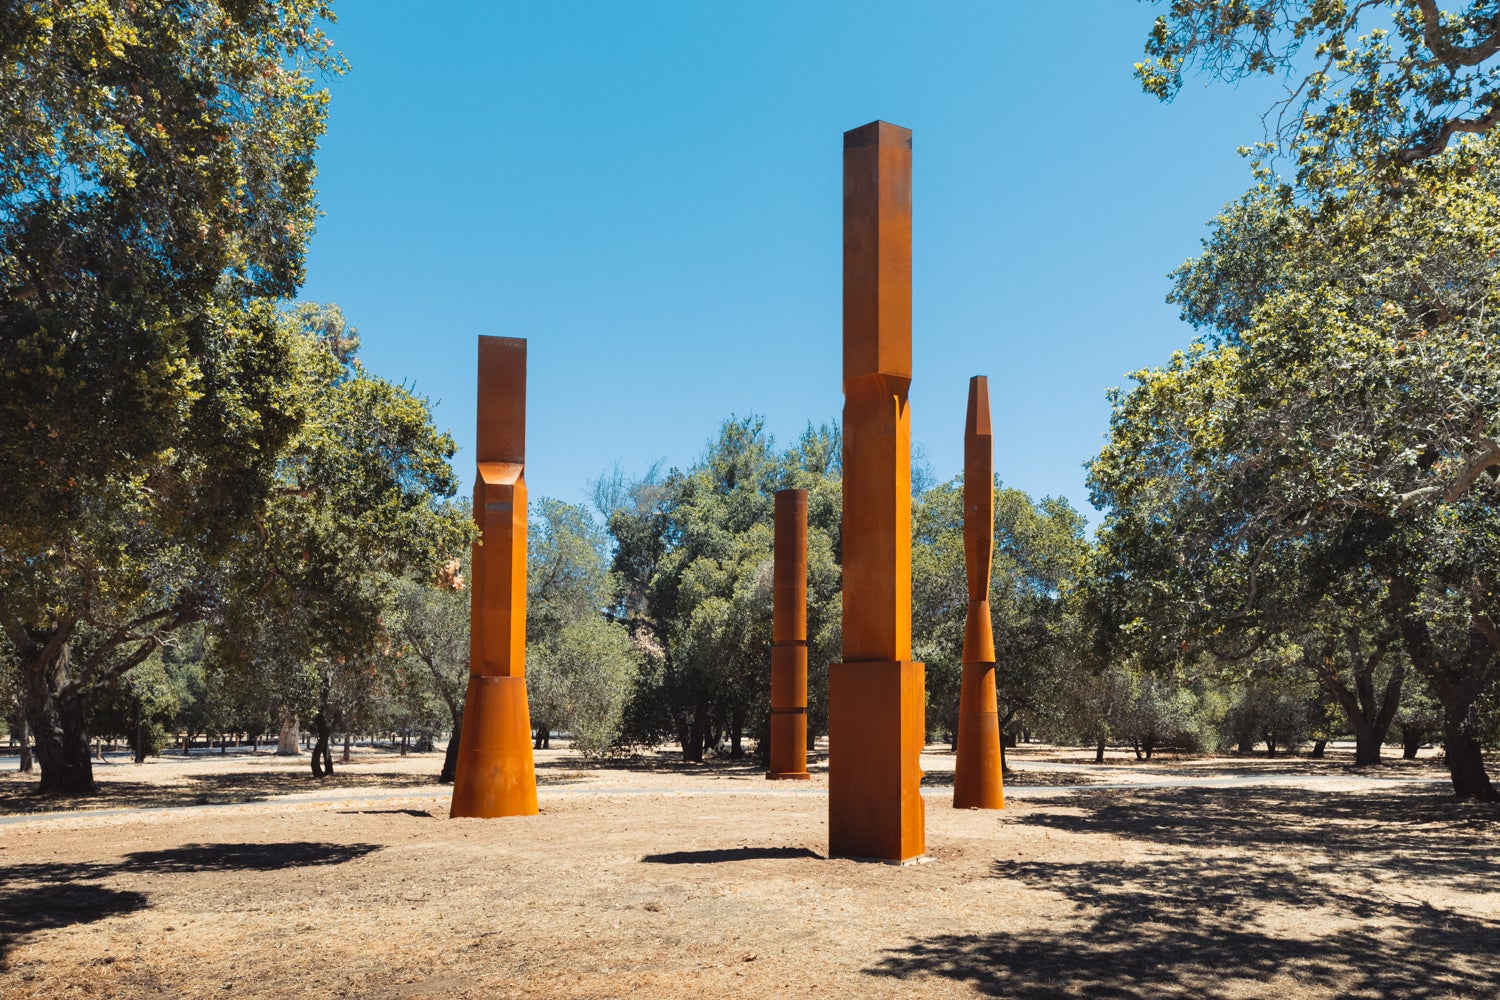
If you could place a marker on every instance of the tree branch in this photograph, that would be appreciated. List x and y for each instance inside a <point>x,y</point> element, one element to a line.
<point>1448,54</point>
<point>1488,458</point>
<point>1474,126</point>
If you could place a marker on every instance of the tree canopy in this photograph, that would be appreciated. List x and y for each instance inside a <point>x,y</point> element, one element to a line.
<point>1372,85</point>
<point>1331,440</point>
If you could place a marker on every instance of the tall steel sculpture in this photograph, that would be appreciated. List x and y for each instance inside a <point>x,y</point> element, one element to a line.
<point>789,639</point>
<point>876,723</point>
<point>495,775</point>
<point>977,780</point>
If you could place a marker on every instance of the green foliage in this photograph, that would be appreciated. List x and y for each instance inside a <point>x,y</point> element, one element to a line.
<point>581,678</point>
<point>581,668</point>
<point>1323,463</point>
<point>693,564</point>
<point>155,202</point>
<point>358,504</point>
<point>1277,714</point>
<point>1371,87</point>
<point>155,192</point>
<point>430,620</point>
<point>1039,553</point>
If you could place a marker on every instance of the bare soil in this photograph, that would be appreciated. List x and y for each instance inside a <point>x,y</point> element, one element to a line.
<point>242,876</point>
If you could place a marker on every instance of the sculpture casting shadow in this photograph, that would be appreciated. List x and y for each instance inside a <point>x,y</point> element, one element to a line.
<point>715,857</point>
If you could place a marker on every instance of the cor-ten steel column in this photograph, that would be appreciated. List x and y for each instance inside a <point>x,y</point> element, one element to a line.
<point>876,724</point>
<point>977,779</point>
<point>789,639</point>
<point>495,775</point>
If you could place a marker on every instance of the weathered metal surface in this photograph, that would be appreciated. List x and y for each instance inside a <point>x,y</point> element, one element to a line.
<point>977,778</point>
<point>876,696</point>
<point>789,639</point>
<point>495,774</point>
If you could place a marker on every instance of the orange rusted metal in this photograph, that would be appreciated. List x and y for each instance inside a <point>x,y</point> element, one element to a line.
<point>495,774</point>
<point>789,639</point>
<point>876,700</point>
<point>977,779</point>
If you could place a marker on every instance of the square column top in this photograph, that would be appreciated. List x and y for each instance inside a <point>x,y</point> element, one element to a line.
<point>877,252</point>
<point>501,428</point>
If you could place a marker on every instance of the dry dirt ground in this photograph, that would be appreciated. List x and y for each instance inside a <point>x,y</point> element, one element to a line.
<point>1215,878</point>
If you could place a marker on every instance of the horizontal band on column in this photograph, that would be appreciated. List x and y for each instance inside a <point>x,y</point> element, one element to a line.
<point>789,711</point>
<point>789,643</point>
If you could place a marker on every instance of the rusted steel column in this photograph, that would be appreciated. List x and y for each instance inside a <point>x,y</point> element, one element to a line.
<point>495,775</point>
<point>789,639</point>
<point>977,781</point>
<point>876,711</point>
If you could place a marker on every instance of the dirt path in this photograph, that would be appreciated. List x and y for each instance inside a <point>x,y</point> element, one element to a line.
<point>664,881</point>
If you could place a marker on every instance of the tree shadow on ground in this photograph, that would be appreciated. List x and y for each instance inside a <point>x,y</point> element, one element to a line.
<point>1251,892</point>
<point>1019,779</point>
<point>1337,764</point>
<point>1183,929</point>
<point>1407,832</point>
<point>664,763</point>
<point>190,858</point>
<point>220,788</point>
<point>714,857</point>
<point>46,896</point>
<point>25,910</point>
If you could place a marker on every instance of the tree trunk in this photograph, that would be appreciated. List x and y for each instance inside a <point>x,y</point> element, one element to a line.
<point>450,759</point>
<point>692,751</point>
<point>1411,742</point>
<point>1318,747</point>
<point>1004,728</point>
<point>1466,765</point>
<point>347,739</point>
<point>62,747</point>
<point>58,724</point>
<point>1458,692</point>
<point>543,736</point>
<point>736,732</point>
<point>1099,751</point>
<point>1367,744</point>
<point>287,743</point>
<point>25,741</point>
<point>322,757</point>
<point>1458,682</point>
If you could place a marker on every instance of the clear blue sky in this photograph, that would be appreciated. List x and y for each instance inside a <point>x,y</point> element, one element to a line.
<point>649,192</point>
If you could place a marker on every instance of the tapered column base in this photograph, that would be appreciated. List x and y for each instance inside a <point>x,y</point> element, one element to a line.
<point>876,731</point>
<point>978,782</point>
<point>495,775</point>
